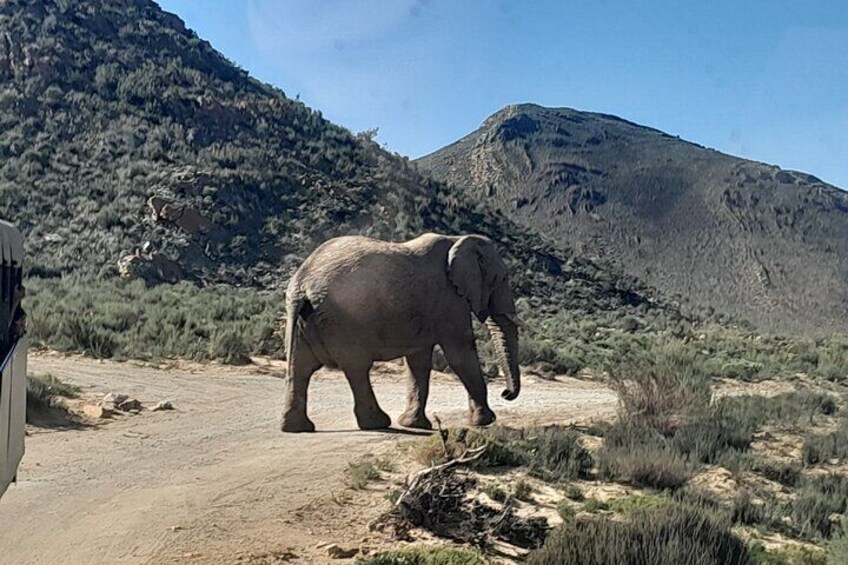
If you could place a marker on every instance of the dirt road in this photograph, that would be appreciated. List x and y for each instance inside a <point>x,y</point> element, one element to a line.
<point>215,481</point>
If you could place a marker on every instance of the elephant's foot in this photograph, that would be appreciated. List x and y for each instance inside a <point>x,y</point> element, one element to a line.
<point>373,420</point>
<point>415,419</point>
<point>481,416</point>
<point>294,423</point>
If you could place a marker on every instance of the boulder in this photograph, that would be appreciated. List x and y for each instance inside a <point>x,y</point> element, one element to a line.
<point>96,412</point>
<point>185,217</point>
<point>164,405</point>
<point>113,399</point>
<point>129,405</point>
<point>153,267</point>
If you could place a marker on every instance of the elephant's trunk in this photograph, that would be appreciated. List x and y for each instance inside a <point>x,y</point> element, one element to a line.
<point>504,332</point>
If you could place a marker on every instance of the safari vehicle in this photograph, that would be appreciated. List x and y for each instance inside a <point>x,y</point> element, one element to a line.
<point>13,354</point>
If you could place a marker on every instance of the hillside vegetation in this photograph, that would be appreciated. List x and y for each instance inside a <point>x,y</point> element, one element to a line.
<point>739,236</point>
<point>130,146</point>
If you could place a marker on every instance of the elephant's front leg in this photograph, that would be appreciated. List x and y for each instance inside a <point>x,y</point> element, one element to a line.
<point>418,367</point>
<point>369,415</point>
<point>463,359</point>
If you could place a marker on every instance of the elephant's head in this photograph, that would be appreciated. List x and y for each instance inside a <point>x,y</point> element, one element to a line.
<point>479,274</point>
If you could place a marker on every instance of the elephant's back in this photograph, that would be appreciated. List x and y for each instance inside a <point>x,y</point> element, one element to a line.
<point>348,263</point>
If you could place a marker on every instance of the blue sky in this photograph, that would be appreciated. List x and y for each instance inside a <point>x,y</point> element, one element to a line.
<point>765,80</point>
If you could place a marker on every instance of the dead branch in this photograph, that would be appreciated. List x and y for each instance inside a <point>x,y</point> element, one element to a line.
<point>413,480</point>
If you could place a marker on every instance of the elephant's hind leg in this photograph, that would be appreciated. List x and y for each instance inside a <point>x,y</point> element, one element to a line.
<point>369,415</point>
<point>418,367</point>
<point>302,366</point>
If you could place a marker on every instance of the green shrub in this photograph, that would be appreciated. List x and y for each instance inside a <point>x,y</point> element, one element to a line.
<point>360,474</point>
<point>786,555</point>
<point>557,359</point>
<point>837,548</point>
<point>87,337</point>
<point>230,346</point>
<point>662,388</point>
<point>573,492</point>
<point>593,505</point>
<point>817,499</point>
<point>43,389</point>
<point>639,503</point>
<point>785,473</point>
<point>554,453</point>
<point>522,490</point>
<point>741,369</point>
<point>819,448</point>
<point>746,511</point>
<point>679,534</point>
<point>717,433</point>
<point>792,408</point>
<point>642,457</point>
<point>495,492</point>
<point>423,555</point>
<point>566,510</point>
<point>124,319</point>
<point>551,453</point>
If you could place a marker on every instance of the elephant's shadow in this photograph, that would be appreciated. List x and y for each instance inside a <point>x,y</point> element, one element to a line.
<point>391,431</point>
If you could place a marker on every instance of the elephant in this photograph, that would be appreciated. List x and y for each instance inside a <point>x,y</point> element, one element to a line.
<point>356,300</point>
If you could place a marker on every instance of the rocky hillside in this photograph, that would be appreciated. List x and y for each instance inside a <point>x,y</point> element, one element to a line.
<point>736,235</point>
<point>129,145</point>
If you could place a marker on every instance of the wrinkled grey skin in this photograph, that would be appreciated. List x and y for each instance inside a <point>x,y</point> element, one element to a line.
<point>357,300</point>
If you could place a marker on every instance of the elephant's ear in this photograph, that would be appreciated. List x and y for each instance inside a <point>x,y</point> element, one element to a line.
<point>466,272</point>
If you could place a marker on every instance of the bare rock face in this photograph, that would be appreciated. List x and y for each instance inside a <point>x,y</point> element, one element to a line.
<point>185,217</point>
<point>152,267</point>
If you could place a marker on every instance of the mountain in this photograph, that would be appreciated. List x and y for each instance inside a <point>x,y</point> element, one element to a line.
<point>130,146</point>
<point>739,236</point>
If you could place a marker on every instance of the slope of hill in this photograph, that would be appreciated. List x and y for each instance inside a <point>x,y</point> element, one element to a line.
<point>736,235</point>
<point>129,144</point>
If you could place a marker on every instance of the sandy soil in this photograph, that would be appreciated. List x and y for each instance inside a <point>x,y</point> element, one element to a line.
<point>215,481</point>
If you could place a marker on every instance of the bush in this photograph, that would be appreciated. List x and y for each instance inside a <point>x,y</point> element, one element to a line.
<point>668,423</point>
<point>819,448</point>
<point>792,408</point>
<point>837,548</point>
<point>122,319</point>
<point>424,555</point>
<point>642,457</point>
<point>746,511</point>
<point>557,359</point>
<point>495,492</point>
<point>594,505</point>
<point>551,453</point>
<point>661,389</point>
<point>679,534</point>
<point>639,503</point>
<point>785,473</point>
<point>573,492</point>
<point>43,389</point>
<point>522,490</point>
<point>360,474</point>
<point>817,500</point>
<point>566,510</point>
<point>717,433</point>
<point>787,555</point>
